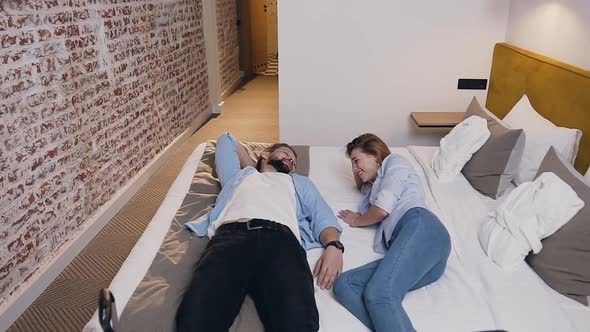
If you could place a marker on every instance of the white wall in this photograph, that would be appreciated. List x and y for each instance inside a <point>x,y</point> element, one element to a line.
<point>559,29</point>
<point>348,67</point>
<point>211,45</point>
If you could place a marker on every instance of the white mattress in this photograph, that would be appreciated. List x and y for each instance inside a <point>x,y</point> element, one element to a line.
<point>473,294</point>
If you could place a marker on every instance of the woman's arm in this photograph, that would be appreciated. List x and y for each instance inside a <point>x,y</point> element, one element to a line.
<point>374,215</point>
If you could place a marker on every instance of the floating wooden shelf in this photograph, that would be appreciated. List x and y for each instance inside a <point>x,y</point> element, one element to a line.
<point>437,119</point>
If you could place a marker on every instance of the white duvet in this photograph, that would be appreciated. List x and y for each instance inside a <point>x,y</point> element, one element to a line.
<point>472,295</point>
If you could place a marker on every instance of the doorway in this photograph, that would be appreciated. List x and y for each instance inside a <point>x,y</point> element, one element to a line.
<point>258,37</point>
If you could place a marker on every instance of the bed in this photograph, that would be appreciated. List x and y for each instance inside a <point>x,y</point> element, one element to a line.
<point>473,294</point>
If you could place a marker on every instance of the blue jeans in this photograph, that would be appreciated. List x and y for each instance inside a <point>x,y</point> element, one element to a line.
<point>417,256</point>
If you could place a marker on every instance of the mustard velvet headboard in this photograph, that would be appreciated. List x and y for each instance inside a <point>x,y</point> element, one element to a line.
<point>558,91</point>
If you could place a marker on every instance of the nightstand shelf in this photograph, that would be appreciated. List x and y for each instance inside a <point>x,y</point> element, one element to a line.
<point>437,119</point>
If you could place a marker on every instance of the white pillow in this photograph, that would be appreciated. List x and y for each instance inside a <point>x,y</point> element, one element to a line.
<point>587,176</point>
<point>540,135</point>
<point>458,146</point>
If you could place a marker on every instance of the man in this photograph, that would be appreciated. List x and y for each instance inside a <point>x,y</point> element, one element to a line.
<point>263,219</point>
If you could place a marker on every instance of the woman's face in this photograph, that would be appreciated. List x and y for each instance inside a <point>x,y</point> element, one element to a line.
<point>364,165</point>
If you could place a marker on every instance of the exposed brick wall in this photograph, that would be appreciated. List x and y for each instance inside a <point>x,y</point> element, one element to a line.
<point>227,41</point>
<point>90,92</point>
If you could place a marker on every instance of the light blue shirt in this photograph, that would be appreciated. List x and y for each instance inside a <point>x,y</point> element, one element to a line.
<point>396,190</point>
<point>313,213</point>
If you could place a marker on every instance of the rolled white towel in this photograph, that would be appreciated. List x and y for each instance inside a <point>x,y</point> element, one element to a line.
<point>530,213</point>
<point>458,146</point>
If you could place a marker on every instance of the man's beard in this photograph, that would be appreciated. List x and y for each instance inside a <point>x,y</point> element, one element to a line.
<point>279,166</point>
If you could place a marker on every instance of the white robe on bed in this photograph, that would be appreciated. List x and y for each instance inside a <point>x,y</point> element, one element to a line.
<point>530,213</point>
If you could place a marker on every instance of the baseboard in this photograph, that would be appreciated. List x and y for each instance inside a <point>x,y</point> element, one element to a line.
<point>217,108</point>
<point>235,84</point>
<point>26,295</point>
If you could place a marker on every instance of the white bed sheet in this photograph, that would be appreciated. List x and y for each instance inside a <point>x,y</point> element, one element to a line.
<point>466,298</point>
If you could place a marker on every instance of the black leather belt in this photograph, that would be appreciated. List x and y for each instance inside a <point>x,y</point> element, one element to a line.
<point>252,225</point>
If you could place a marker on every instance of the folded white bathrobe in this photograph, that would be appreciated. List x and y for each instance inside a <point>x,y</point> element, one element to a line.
<point>458,146</point>
<point>530,213</point>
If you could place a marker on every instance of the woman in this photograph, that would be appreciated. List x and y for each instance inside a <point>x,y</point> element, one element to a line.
<point>415,243</point>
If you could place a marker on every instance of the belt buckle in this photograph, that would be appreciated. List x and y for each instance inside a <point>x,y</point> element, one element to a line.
<point>251,228</point>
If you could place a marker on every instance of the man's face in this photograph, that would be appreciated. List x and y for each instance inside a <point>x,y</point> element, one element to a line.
<point>283,160</point>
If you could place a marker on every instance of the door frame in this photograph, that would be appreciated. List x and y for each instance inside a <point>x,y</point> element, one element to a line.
<point>245,37</point>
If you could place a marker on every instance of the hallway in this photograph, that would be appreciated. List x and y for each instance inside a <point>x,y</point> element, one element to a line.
<point>250,113</point>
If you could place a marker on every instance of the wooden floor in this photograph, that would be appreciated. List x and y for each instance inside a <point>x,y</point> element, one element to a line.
<point>250,113</point>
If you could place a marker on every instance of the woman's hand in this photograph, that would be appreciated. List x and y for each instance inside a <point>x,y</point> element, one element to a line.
<point>349,217</point>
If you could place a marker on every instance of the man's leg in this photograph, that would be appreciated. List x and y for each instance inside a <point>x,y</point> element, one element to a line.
<point>217,290</point>
<point>283,288</point>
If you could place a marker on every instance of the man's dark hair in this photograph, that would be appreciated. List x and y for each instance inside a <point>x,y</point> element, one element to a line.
<point>272,149</point>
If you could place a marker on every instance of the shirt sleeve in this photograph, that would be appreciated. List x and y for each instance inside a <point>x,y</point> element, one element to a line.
<point>390,187</point>
<point>227,162</point>
<point>365,203</point>
<point>320,213</point>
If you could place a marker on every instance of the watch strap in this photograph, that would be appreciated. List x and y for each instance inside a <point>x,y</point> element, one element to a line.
<point>336,244</point>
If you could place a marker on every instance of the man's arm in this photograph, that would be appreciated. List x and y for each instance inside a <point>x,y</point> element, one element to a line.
<point>329,266</point>
<point>244,157</point>
<point>227,162</point>
<point>319,211</point>
<point>328,235</point>
<point>325,229</point>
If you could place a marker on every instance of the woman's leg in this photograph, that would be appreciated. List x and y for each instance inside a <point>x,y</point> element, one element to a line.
<point>433,275</point>
<point>421,244</point>
<point>349,288</point>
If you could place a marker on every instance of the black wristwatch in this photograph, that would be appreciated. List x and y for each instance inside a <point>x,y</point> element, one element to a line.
<point>336,244</point>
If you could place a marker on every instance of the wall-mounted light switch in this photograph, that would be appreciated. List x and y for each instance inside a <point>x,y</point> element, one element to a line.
<point>472,84</point>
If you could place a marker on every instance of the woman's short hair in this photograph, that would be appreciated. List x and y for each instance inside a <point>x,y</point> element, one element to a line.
<point>369,144</point>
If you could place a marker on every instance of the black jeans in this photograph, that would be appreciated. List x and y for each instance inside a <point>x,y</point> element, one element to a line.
<point>269,265</point>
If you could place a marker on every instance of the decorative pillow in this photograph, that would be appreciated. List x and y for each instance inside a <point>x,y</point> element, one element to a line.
<point>458,146</point>
<point>491,169</point>
<point>563,262</point>
<point>541,134</point>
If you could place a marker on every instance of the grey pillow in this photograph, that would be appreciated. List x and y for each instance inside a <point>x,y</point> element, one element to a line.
<point>564,260</point>
<point>492,168</point>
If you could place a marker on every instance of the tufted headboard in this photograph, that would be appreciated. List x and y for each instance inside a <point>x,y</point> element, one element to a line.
<point>558,91</point>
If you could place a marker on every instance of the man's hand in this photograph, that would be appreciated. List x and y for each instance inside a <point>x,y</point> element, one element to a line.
<point>349,217</point>
<point>328,267</point>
